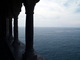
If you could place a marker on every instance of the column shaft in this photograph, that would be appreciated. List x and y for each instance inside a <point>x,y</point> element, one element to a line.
<point>15,30</point>
<point>10,27</point>
<point>29,32</point>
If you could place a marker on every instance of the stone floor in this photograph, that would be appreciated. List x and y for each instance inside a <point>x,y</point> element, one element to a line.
<point>18,52</point>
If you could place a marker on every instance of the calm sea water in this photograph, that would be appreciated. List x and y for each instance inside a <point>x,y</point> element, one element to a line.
<point>55,43</point>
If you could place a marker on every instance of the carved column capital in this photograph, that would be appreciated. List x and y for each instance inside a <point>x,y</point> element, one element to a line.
<point>29,5</point>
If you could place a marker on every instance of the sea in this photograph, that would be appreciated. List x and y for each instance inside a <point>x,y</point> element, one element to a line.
<point>55,43</point>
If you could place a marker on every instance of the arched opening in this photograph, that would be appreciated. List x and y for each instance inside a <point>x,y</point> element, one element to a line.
<point>21,24</point>
<point>57,29</point>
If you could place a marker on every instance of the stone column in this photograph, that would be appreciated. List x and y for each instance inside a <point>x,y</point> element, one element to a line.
<point>10,27</point>
<point>10,30</point>
<point>29,29</point>
<point>15,31</point>
<point>29,50</point>
<point>7,29</point>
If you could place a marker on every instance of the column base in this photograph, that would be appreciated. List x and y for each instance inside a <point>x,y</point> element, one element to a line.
<point>16,44</point>
<point>29,56</point>
<point>10,40</point>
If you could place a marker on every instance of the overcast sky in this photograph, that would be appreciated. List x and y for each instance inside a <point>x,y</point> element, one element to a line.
<point>54,13</point>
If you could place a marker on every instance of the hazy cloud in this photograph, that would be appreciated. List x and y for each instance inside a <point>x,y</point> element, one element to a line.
<point>56,13</point>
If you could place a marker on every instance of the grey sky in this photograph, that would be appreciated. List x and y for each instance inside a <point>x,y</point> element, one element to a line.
<point>54,13</point>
